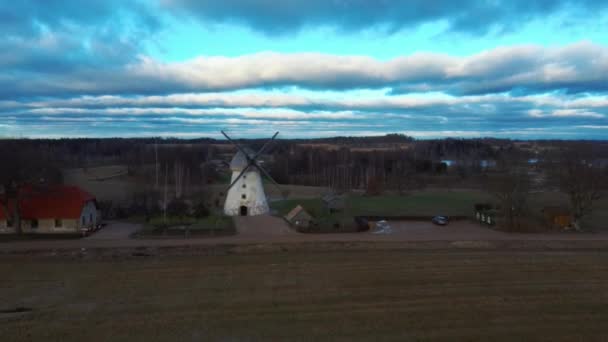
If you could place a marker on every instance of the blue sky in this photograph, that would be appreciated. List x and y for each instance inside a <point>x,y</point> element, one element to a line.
<point>316,68</point>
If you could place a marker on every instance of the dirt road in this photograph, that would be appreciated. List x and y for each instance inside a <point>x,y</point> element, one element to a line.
<point>269,229</point>
<point>263,226</point>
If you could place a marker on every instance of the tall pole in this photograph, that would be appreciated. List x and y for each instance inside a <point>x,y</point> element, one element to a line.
<point>165,201</point>
<point>156,162</point>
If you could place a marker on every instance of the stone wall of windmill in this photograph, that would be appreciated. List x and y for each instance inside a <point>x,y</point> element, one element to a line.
<point>247,192</point>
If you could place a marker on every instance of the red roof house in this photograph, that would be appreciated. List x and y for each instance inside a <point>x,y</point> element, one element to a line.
<point>58,207</point>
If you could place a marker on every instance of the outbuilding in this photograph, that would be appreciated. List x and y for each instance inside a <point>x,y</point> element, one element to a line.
<point>299,217</point>
<point>557,217</point>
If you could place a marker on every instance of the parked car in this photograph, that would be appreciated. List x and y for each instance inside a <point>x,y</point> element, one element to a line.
<point>382,227</point>
<point>441,220</point>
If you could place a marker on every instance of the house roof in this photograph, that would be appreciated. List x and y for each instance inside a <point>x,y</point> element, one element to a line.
<point>298,210</point>
<point>54,202</point>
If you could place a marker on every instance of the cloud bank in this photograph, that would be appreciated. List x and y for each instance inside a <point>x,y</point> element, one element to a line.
<point>576,68</point>
<point>73,68</point>
<point>288,16</point>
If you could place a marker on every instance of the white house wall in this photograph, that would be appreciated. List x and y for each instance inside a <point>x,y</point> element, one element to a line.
<point>255,198</point>
<point>88,215</point>
<point>4,229</point>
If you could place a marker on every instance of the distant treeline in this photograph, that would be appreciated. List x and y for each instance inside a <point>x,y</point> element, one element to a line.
<point>80,151</point>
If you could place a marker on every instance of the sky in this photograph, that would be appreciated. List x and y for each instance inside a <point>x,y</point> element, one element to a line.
<point>314,68</point>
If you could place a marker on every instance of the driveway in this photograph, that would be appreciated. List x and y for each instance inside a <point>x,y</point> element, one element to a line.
<point>114,230</point>
<point>262,226</point>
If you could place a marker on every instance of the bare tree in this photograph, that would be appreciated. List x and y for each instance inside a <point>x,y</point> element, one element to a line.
<point>24,166</point>
<point>510,185</point>
<point>583,182</point>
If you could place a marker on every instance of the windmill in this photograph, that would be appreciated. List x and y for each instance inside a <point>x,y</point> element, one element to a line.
<point>245,195</point>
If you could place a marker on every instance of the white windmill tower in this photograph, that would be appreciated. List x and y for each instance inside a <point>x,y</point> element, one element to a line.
<point>245,195</point>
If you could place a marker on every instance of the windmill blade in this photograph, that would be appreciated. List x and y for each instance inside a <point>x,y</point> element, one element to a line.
<point>239,147</point>
<point>237,178</point>
<point>265,146</point>
<point>269,177</point>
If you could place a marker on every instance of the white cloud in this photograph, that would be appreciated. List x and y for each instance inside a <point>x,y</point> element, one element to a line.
<point>565,113</point>
<point>244,112</point>
<point>501,69</point>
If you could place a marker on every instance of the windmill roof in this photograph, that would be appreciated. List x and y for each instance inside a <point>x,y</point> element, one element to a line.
<point>239,161</point>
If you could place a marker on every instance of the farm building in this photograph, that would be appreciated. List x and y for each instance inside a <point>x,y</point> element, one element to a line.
<point>60,209</point>
<point>333,203</point>
<point>557,217</point>
<point>299,217</point>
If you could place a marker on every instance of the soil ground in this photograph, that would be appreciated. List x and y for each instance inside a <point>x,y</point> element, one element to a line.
<point>391,294</point>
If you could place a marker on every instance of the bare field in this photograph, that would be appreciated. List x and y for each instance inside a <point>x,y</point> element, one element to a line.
<point>503,295</point>
<point>107,183</point>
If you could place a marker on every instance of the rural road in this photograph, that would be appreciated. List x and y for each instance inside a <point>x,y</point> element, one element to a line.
<point>114,231</point>
<point>270,229</point>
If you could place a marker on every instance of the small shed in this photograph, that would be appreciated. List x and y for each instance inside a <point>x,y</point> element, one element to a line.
<point>299,217</point>
<point>557,217</point>
<point>333,203</point>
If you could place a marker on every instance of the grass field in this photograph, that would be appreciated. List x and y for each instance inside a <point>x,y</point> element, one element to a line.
<point>340,295</point>
<point>420,203</point>
<point>118,190</point>
<point>210,225</point>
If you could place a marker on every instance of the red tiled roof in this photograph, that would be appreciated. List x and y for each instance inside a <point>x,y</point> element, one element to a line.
<point>55,202</point>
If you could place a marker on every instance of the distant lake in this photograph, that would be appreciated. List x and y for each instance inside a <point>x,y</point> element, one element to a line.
<point>484,163</point>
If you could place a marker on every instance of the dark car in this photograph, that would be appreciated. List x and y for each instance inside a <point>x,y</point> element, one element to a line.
<point>441,220</point>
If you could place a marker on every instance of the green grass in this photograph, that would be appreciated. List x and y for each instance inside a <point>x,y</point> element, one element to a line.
<point>181,225</point>
<point>170,221</point>
<point>424,203</point>
<point>312,205</point>
<point>213,222</point>
<point>208,222</point>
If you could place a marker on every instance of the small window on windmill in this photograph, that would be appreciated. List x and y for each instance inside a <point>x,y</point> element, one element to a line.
<point>243,196</point>
<point>244,185</point>
<point>244,176</point>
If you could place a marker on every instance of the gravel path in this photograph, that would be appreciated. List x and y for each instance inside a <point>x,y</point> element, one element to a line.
<point>269,229</point>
